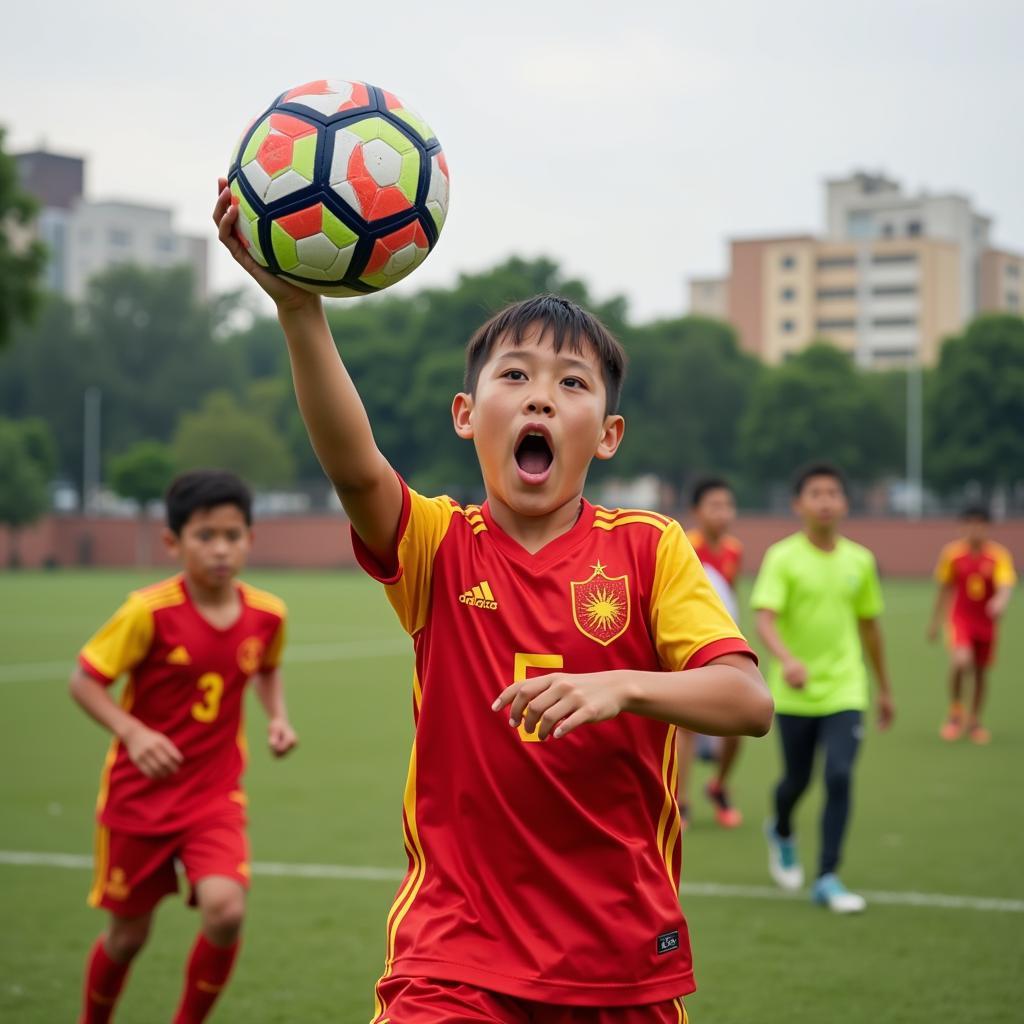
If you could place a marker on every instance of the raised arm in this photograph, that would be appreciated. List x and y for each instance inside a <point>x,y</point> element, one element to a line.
<point>331,408</point>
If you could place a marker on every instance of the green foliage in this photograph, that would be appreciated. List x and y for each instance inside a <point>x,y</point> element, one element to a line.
<point>687,387</point>
<point>976,407</point>
<point>817,405</point>
<point>22,257</point>
<point>142,472</point>
<point>222,434</point>
<point>694,402</point>
<point>24,472</point>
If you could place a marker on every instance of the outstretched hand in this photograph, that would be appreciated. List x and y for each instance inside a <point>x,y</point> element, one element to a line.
<point>225,216</point>
<point>559,702</point>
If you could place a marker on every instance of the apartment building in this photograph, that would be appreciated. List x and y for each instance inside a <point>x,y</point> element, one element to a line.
<point>84,237</point>
<point>889,279</point>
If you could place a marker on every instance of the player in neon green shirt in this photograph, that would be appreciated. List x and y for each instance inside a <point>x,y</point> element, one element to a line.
<point>818,600</point>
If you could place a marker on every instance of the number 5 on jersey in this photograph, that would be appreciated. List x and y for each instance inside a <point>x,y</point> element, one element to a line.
<point>528,661</point>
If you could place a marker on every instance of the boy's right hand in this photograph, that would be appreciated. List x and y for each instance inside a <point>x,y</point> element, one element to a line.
<point>225,216</point>
<point>794,673</point>
<point>152,752</point>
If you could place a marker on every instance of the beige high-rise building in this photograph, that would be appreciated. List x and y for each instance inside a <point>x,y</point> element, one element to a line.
<point>893,277</point>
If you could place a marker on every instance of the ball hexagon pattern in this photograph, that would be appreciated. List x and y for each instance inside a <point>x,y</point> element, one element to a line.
<point>342,188</point>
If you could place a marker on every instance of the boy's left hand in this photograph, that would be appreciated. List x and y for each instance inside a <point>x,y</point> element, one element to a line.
<point>281,737</point>
<point>564,700</point>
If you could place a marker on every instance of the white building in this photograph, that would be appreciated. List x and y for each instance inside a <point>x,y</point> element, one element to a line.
<point>867,207</point>
<point>84,237</point>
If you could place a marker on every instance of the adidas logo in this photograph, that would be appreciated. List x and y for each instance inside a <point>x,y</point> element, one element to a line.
<point>179,656</point>
<point>479,596</point>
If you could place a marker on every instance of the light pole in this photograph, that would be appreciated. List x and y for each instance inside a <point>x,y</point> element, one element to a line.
<point>915,440</point>
<point>91,448</point>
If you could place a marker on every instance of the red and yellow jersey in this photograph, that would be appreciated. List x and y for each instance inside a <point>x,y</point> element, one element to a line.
<point>543,870</point>
<point>974,575</point>
<point>186,680</point>
<point>726,556</point>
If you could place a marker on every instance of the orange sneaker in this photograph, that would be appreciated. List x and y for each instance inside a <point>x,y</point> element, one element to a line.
<point>952,729</point>
<point>980,735</point>
<point>725,814</point>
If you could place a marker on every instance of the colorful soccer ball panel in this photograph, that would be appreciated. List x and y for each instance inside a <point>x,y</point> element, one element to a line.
<point>247,225</point>
<point>375,169</point>
<point>280,157</point>
<point>313,243</point>
<point>395,256</point>
<point>329,96</point>
<point>437,194</point>
<point>409,116</point>
<point>341,187</point>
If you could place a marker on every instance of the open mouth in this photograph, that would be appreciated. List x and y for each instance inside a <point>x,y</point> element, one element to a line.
<point>534,455</point>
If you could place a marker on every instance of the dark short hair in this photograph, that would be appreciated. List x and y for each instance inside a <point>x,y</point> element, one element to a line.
<point>813,469</point>
<point>569,324</point>
<point>205,489</point>
<point>976,511</point>
<point>707,484</point>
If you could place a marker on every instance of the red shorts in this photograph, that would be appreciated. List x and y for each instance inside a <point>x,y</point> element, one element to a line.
<point>133,873</point>
<point>978,638</point>
<point>426,1001</point>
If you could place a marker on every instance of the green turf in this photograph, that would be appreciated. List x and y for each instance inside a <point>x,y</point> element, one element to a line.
<point>928,818</point>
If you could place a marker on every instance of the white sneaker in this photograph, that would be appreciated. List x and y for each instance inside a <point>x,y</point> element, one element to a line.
<point>783,862</point>
<point>829,892</point>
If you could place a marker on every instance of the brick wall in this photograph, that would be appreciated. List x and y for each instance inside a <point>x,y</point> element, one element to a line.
<point>307,542</point>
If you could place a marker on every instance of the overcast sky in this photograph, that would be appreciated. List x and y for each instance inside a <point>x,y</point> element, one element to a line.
<point>627,140</point>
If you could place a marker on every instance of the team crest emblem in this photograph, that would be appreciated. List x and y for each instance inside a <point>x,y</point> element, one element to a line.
<point>600,606</point>
<point>250,654</point>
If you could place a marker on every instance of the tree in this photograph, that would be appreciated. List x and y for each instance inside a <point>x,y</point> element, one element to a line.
<point>817,405</point>
<point>975,409</point>
<point>142,473</point>
<point>23,479</point>
<point>688,383</point>
<point>224,435</point>
<point>22,256</point>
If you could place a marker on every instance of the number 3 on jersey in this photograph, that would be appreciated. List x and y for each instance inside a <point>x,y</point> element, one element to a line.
<point>211,686</point>
<point>527,661</point>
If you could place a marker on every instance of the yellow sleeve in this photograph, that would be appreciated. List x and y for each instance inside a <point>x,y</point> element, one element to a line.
<point>944,568</point>
<point>689,623</point>
<point>272,655</point>
<point>120,643</point>
<point>408,573</point>
<point>1004,575</point>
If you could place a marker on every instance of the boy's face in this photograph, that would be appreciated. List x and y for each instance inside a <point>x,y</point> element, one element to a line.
<point>976,530</point>
<point>716,512</point>
<point>537,419</point>
<point>821,502</point>
<point>212,546</point>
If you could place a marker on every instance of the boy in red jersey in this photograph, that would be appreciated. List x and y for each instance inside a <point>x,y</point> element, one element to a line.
<point>542,880</point>
<point>975,577</point>
<point>714,508</point>
<point>171,785</point>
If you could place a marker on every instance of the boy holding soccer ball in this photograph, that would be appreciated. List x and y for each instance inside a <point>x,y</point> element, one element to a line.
<point>558,647</point>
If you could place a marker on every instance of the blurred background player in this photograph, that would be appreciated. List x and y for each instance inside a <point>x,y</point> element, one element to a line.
<point>975,577</point>
<point>818,600</point>
<point>171,785</point>
<point>714,511</point>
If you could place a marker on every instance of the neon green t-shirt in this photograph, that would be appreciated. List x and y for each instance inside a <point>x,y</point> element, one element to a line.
<point>818,596</point>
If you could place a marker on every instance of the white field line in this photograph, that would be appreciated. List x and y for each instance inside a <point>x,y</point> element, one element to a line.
<point>343,872</point>
<point>35,671</point>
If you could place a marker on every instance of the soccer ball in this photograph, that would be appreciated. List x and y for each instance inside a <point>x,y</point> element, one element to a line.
<point>341,187</point>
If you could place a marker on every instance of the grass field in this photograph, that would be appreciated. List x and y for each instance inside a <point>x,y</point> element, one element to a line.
<point>929,818</point>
